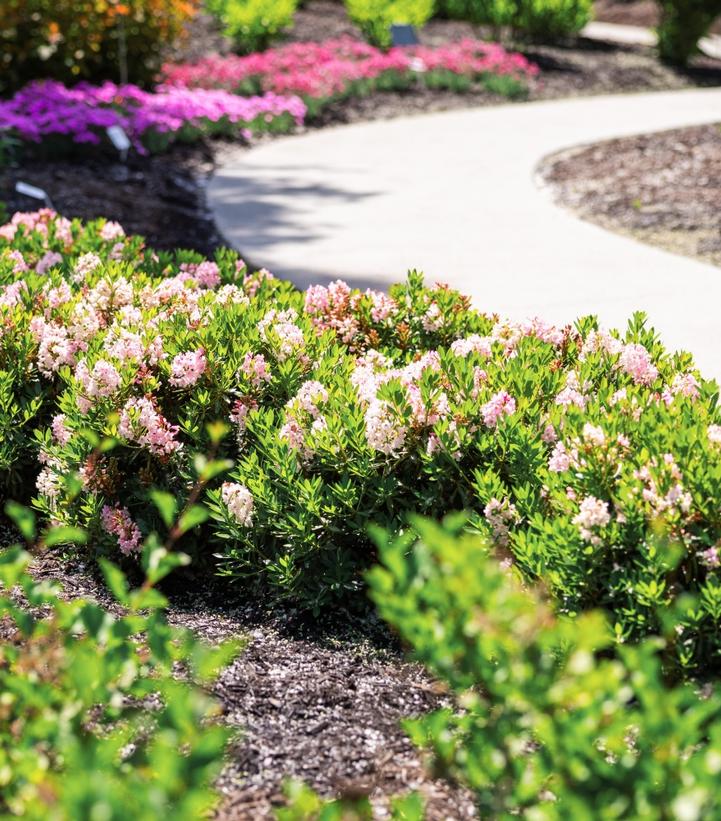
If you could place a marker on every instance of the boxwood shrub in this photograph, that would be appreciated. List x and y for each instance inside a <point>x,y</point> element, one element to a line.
<point>591,458</point>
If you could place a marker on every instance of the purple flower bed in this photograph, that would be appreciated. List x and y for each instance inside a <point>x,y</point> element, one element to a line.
<point>151,119</point>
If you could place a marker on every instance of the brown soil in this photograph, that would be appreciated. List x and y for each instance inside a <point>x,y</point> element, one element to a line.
<point>163,197</point>
<point>318,700</point>
<point>662,188</point>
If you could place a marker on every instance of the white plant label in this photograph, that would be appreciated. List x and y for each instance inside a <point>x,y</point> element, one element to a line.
<point>31,191</point>
<point>118,138</point>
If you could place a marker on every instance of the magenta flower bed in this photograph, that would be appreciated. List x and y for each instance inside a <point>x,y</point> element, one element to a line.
<point>322,70</point>
<point>50,109</point>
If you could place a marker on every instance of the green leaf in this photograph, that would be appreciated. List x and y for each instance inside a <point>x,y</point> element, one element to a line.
<point>24,519</point>
<point>166,504</point>
<point>192,517</point>
<point>115,579</point>
<point>65,535</point>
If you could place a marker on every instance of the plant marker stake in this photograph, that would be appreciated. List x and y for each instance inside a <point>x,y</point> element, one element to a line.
<point>120,140</point>
<point>404,35</point>
<point>33,191</point>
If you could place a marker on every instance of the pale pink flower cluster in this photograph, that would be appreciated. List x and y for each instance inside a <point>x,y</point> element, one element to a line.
<point>111,230</point>
<point>433,318</point>
<point>55,347</point>
<point>206,274</point>
<point>86,265</point>
<point>635,360</point>
<point>573,393</point>
<point>333,308</point>
<point>600,341</point>
<point>49,482</point>
<point>103,381</point>
<point>662,487</point>
<point>255,367</point>
<point>44,222</point>
<point>140,422</point>
<point>499,405</point>
<point>279,330</point>
<point>482,345</point>
<point>18,260</point>
<point>12,294</point>
<point>710,557</point>
<point>187,368</point>
<point>384,431</point>
<point>110,294</point>
<point>684,384</point>
<point>594,435</point>
<point>252,282</point>
<point>48,260</point>
<point>58,295</point>
<point>117,522</point>
<point>593,513</point>
<point>562,459</point>
<point>239,413</point>
<point>714,434</point>
<point>302,407</point>
<point>61,432</point>
<point>501,516</point>
<point>239,501</point>
<point>309,396</point>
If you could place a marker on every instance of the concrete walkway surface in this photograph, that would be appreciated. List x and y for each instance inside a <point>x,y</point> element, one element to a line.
<point>454,195</point>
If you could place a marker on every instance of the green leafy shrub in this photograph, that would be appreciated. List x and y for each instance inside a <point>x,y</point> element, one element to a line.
<point>683,24</point>
<point>93,722</point>
<point>496,13</point>
<point>592,458</point>
<point>375,17</point>
<point>551,725</point>
<point>254,24</point>
<point>71,40</point>
<point>534,19</point>
<point>549,20</point>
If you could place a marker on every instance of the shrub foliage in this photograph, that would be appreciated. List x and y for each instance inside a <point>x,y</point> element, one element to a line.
<point>548,725</point>
<point>254,24</point>
<point>535,19</point>
<point>94,723</point>
<point>592,458</point>
<point>683,24</point>
<point>68,40</point>
<point>375,17</point>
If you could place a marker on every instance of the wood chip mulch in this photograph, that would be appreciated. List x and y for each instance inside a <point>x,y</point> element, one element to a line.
<point>662,188</point>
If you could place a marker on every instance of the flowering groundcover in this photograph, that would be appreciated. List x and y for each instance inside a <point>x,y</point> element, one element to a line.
<point>334,69</point>
<point>44,111</point>
<point>591,459</point>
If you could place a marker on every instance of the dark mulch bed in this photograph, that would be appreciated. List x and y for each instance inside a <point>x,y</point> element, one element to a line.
<point>315,699</point>
<point>660,188</point>
<point>163,197</point>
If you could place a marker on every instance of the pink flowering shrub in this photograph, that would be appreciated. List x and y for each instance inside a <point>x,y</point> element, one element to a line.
<point>49,112</point>
<point>590,459</point>
<point>331,70</point>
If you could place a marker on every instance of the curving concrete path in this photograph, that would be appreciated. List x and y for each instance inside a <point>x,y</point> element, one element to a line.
<point>454,194</point>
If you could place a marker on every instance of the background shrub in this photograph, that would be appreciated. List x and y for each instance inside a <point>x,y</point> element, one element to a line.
<point>496,13</point>
<point>683,24</point>
<point>534,19</point>
<point>375,17</point>
<point>254,24</point>
<point>94,723</point>
<point>95,40</point>
<point>546,20</point>
<point>550,724</point>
